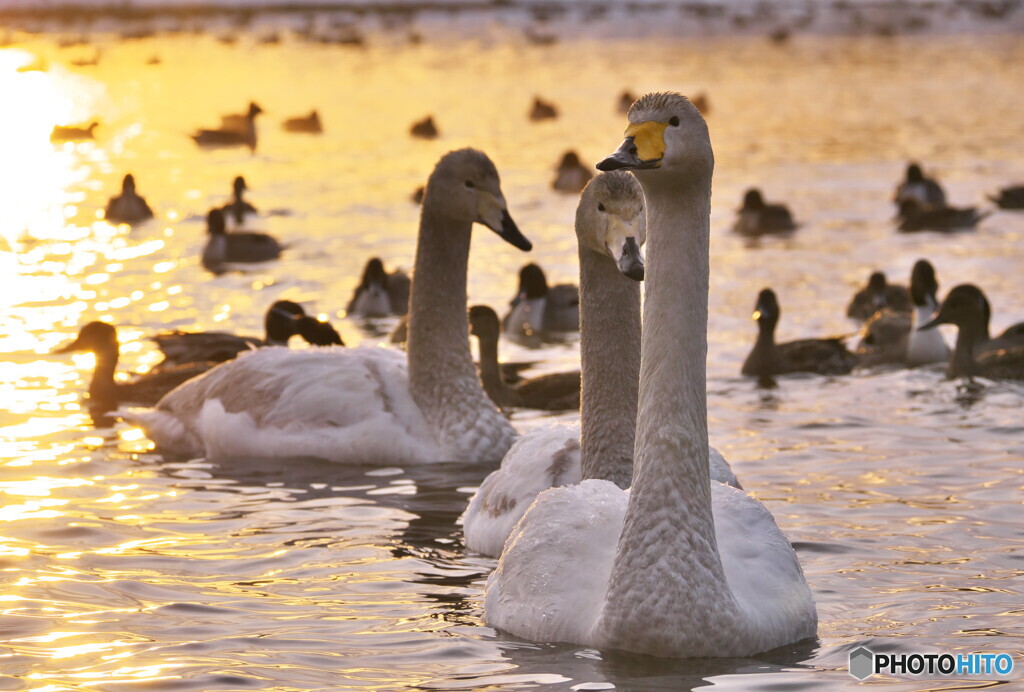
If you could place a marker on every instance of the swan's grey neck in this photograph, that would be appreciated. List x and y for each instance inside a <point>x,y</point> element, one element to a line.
<point>442,377</point>
<point>668,576</point>
<point>610,355</point>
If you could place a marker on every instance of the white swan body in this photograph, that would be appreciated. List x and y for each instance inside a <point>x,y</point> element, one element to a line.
<point>367,405</point>
<point>683,567</point>
<point>543,458</point>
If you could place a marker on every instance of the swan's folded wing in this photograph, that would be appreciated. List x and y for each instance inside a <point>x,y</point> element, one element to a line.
<point>343,405</point>
<point>541,459</point>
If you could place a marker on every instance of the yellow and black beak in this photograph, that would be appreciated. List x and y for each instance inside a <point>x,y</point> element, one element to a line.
<point>642,149</point>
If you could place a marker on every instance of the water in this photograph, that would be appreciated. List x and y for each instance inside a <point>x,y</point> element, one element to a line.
<point>900,490</point>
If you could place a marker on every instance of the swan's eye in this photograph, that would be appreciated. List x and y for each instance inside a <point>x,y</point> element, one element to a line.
<point>469,184</point>
<point>674,121</point>
<point>600,207</point>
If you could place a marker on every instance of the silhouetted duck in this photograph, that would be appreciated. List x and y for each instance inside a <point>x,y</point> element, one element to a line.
<point>104,393</point>
<point>380,293</point>
<point>542,110</point>
<point>553,392</point>
<point>223,247</point>
<point>1010,197</point>
<point>821,356</point>
<point>538,308</point>
<point>878,294</point>
<point>757,217</point>
<point>975,352</point>
<point>237,208</point>
<point>913,217</point>
<point>238,122</point>
<point>424,129</point>
<point>923,190</point>
<point>128,207</point>
<point>230,136</point>
<point>75,133</point>
<point>308,124</point>
<point>571,175</point>
<point>317,332</point>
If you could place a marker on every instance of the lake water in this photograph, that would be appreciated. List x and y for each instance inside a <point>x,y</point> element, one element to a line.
<point>900,490</point>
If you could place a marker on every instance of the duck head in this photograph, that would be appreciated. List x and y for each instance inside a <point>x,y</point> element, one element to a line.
<point>239,186</point>
<point>374,274</point>
<point>752,200</point>
<point>215,222</point>
<point>767,310</point>
<point>254,109</point>
<point>966,307</point>
<point>128,185</point>
<point>532,282</point>
<point>96,337</point>
<point>665,131</point>
<point>279,322</point>
<point>483,322</point>
<point>610,220</point>
<point>877,284</point>
<point>924,287</point>
<point>570,159</point>
<point>467,182</point>
<point>914,173</point>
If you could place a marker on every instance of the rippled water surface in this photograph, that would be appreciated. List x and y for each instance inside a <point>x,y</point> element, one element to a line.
<point>900,490</point>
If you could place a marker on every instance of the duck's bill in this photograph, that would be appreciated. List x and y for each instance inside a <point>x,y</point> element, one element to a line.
<point>75,345</point>
<point>933,322</point>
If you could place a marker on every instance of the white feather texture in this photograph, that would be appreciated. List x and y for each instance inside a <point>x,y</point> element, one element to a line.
<point>543,458</point>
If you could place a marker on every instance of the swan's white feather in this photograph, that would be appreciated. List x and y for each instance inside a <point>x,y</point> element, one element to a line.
<point>553,575</point>
<point>343,405</point>
<point>543,458</point>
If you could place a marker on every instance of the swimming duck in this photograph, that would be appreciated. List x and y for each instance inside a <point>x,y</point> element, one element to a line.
<point>240,247</point>
<point>366,405</point>
<point>925,191</point>
<point>309,124</point>
<point>1010,197</point>
<point>105,394</point>
<point>553,392</point>
<point>231,136</point>
<point>128,207</point>
<point>878,294</point>
<point>63,133</point>
<point>914,217</point>
<point>380,293</point>
<point>542,110</point>
<point>757,217</point>
<point>538,308</point>
<point>424,129</point>
<point>571,175</point>
<point>239,122</point>
<point>237,208</point>
<point>279,325</point>
<point>975,352</point>
<point>678,566</point>
<point>821,356</point>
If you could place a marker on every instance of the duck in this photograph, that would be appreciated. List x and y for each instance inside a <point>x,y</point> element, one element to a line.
<point>380,293</point>
<point>571,175</point>
<point>677,566</point>
<point>919,188</point>
<point>317,332</point>
<point>128,207</point>
<point>74,133</point>
<point>558,391</point>
<point>889,336</point>
<point>820,356</point>
<point>231,136</point>
<point>877,295</point>
<point>1009,197</point>
<point>975,353</point>
<point>106,394</point>
<point>237,208</point>
<point>757,217</point>
<point>542,110</point>
<point>610,228</point>
<point>279,324</point>
<point>424,129</point>
<point>238,247</point>
<point>366,405</point>
<point>308,124</point>
<point>239,122</point>
<point>914,216</point>
<point>538,308</point>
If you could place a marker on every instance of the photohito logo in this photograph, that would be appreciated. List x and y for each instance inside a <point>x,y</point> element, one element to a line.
<point>864,663</point>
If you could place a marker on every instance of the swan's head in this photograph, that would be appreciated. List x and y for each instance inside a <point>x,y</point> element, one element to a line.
<point>465,185</point>
<point>965,306</point>
<point>610,220</point>
<point>767,309</point>
<point>923,284</point>
<point>665,131</point>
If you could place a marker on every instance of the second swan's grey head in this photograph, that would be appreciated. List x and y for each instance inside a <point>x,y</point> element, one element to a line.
<point>666,132</point>
<point>465,185</point>
<point>610,220</point>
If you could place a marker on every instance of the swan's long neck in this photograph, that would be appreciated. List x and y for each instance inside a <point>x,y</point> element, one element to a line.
<point>442,377</point>
<point>610,354</point>
<point>668,575</point>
